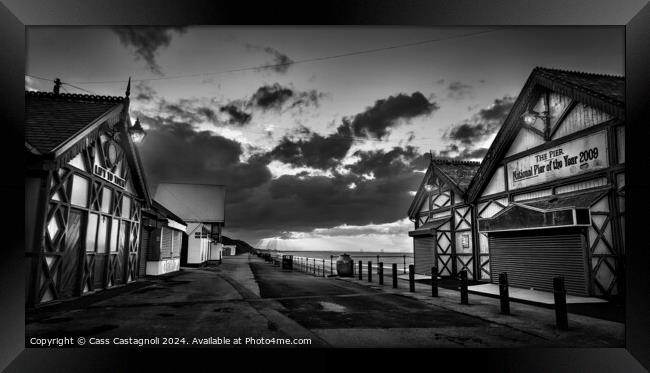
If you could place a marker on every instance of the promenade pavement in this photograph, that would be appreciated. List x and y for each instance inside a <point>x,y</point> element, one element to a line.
<point>246,297</point>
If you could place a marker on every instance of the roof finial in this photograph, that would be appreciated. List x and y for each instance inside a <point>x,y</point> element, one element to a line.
<point>128,88</point>
<point>57,86</point>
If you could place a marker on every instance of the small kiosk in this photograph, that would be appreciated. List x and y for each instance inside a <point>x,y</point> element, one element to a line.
<point>162,238</point>
<point>201,207</point>
<point>443,235</point>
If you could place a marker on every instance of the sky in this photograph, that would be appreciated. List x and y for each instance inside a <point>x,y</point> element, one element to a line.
<point>320,134</point>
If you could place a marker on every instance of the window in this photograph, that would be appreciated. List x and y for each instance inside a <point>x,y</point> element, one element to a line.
<point>78,162</point>
<point>102,234</point>
<point>79,191</point>
<point>126,207</point>
<point>620,136</point>
<point>91,232</point>
<point>124,226</point>
<point>166,243</point>
<point>107,197</point>
<point>115,227</point>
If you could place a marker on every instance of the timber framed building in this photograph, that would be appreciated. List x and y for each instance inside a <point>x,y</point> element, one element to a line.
<point>84,191</point>
<point>443,235</point>
<point>548,199</point>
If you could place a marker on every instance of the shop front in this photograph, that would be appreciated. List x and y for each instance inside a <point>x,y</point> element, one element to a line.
<point>162,239</point>
<point>84,191</point>
<point>549,196</point>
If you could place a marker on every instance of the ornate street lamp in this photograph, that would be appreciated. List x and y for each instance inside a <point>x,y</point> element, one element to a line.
<point>531,116</point>
<point>136,132</point>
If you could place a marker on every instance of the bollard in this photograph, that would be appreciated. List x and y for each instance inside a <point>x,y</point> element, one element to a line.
<point>504,293</point>
<point>369,271</point>
<point>394,274</point>
<point>404,256</point>
<point>380,273</point>
<point>411,278</point>
<point>559,293</point>
<point>463,287</point>
<point>434,281</point>
<point>360,270</point>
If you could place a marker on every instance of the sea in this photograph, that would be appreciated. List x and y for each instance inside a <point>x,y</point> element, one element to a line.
<point>402,259</point>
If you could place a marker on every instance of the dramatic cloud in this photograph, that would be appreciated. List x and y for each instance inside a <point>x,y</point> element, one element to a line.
<point>377,120</point>
<point>237,116</point>
<point>260,206</point>
<point>323,152</point>
<point>271,96</point>
<point>459,91</point>
<point>315,151</point>
<point>175,151</point>
<point>208,113</point>
<point>372,188</point>
<point>482,124</point>
<point>276,96</point>
<point>146,40</point>
<point>382,164</point>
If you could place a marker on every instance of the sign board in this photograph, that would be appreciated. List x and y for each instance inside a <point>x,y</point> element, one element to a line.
<point>109,176</point>
<point>572,158</point>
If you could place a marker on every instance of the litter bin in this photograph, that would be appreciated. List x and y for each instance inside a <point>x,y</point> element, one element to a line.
<point>344,266</point>
<point>287,262</point>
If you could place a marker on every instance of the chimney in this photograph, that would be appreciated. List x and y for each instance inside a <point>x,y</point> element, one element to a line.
<point>57,86</point>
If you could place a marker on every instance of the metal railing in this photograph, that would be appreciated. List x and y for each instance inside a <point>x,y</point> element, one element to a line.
<point>320,267</point>
<point>323,267</point>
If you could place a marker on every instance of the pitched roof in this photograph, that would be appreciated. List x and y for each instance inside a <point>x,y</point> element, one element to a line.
<point>459,173</point>
<point>166,212</point>
<point>607,87</point>
<point>203,203</point>
<point>429,227</point>
<point>52,119</point>
<point>605,92</point>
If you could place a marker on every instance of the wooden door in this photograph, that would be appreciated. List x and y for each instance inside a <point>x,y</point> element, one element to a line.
<point>71,256</point>
<point>119,274</point>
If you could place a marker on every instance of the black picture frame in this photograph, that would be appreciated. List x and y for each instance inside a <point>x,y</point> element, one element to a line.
<point>633,15</point>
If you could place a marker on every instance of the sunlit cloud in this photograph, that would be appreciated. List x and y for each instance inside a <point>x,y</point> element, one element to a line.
<point>278,169</point>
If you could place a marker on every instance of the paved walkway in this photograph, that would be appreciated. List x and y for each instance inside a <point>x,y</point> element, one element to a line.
<point>530,295</point>
<point>537,321</point>
<point>247,297</point>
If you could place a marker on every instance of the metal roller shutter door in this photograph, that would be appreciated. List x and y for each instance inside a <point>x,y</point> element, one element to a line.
<point>533,258</point>
<point>166,243</point>
<point>423,254</point>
